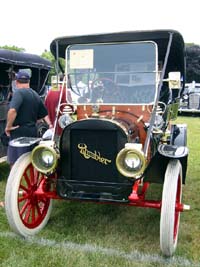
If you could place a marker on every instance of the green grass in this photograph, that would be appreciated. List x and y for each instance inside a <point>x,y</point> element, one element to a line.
<point>83,234</point>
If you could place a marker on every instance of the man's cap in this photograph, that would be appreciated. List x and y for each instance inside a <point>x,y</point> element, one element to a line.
<point>22,76</point>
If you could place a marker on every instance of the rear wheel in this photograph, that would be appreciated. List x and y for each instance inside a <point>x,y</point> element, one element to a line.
<point>169,221</point>
<point>27,212</point>
<point>42,127</point>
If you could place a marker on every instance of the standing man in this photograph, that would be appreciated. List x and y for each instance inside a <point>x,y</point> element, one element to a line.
<point>26,107</point>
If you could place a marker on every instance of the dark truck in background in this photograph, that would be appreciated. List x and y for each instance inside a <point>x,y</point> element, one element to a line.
<point>10,62</point>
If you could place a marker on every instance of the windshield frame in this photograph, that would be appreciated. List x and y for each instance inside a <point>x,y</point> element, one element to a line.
<point>155,72</point>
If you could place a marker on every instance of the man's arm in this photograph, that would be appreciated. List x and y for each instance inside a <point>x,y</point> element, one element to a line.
<point>47,120</point>
<point>10,119</point>
<point>43,114</point>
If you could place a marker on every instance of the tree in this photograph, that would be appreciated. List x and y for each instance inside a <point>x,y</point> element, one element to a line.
<point>48,55</point>
<point>192,63</point>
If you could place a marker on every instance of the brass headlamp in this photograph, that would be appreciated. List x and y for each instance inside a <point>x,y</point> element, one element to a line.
<point>131,161</point>
<point>45,157</point>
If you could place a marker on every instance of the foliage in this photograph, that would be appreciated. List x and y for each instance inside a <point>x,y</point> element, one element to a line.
<point>192,63</point>
<point>14,48</point>
<point>48,55</point>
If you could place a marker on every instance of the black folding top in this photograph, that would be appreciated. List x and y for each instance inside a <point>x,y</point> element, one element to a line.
<point>176,59</point>
<point>23,59</point>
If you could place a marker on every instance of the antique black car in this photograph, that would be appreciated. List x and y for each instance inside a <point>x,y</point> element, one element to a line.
<point>117,136</point>
<point>190,99</point>
<point>11,62</point>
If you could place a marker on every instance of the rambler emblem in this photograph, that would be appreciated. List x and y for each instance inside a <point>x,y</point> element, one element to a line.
<point>92,155</point>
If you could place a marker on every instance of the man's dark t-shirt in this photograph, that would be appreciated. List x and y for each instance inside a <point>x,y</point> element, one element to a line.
<point>29,109</point>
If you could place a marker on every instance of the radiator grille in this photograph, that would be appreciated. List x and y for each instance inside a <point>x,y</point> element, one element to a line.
<point>89,151</point>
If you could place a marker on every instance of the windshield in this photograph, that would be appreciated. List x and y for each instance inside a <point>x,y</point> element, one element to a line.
<point>122,73</point>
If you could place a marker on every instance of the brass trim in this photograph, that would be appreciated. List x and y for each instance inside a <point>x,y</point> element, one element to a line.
<point>92,155</point>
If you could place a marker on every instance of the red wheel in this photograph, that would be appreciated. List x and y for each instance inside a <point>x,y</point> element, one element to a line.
<point>27,212</point>
<point>170,218</point>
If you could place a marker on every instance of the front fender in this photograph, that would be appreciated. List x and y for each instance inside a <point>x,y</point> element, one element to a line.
<point>172,151</point>
<point>155,171</point>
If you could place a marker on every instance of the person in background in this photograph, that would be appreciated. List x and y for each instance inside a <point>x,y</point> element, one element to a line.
<point>52,100</point>
<point>26,108</point>
<point>13,88</point>
<point>13,82</point>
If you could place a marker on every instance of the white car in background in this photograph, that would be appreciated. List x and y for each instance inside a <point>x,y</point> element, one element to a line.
<point>190,101</point>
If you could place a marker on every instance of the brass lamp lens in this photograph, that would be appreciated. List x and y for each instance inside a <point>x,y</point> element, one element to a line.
<point>132,161</point>
<point>47,158</point>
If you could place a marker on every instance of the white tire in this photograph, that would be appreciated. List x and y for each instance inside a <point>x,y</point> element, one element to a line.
<point>27,213</point>
<point>170,218</point>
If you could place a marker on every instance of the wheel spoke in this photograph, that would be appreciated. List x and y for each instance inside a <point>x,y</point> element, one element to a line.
<point>40,177</point>
<point>34,213</point>
<point>36,177</point>
<point>27,213</point>
<point>23,189</point>
<point>22,209</point>
<point>27,179</point>
<point>38,209</point>
<point>24,197</point>
<point>33,175</point>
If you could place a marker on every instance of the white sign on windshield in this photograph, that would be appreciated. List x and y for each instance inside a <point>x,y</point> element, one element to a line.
<point>81,59</point>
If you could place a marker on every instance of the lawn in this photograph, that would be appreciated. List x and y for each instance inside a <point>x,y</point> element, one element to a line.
<point>84,235</point>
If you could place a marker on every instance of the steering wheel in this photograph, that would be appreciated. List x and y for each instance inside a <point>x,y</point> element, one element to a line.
<point>102,88</point>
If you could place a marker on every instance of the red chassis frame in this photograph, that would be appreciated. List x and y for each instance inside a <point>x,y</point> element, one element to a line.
<point>136,198</point>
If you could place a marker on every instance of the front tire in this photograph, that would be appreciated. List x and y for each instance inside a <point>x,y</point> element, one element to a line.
<point>170,218</point>
<point>27,212</point>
